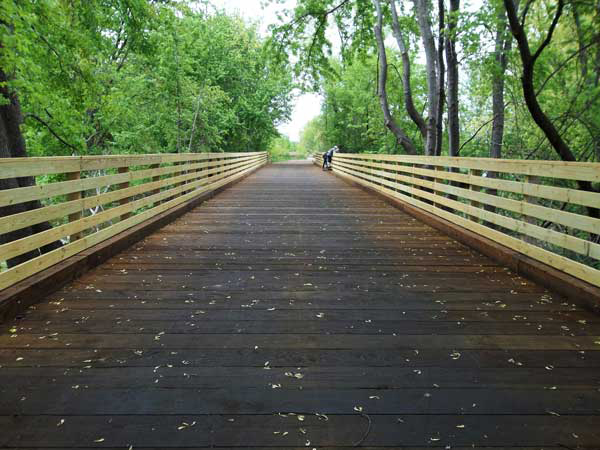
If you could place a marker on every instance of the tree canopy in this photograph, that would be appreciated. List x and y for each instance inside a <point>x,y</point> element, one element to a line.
<point>114,76</point>
<point>504,91</point>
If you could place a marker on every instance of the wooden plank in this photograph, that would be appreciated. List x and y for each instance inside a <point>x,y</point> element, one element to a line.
<point>297,303</point>
<point>124,211</point>
<point>474,187</point>
<point>586,273</point>
<point>125,325</point>
<point>236,341</point>
<point>266,400</point>
<point>39,192</point>
<point>34,166</point>
<point>334,431</point>
<point>530,179</point>
<point>73,217</point>
<point>552,169</point>
<point>28,268</point>
<point>354,360</point>
<point>573,220</point>
<point>316,377</point>
<point>124,200</point>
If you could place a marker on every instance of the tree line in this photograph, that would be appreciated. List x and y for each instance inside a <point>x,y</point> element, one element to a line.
<point>135,76</point>
<point>512,78</point>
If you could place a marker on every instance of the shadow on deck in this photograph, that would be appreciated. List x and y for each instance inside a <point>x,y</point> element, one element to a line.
<point>293,311</point>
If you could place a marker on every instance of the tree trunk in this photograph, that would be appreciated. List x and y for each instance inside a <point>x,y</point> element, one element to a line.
<point>452,60</point>
<point>389,121</point>
<point>528,61</point>
<point>441,75</point>
<point>583,59</point>
<point>415,116</point>
<point>12,145</point>
<point>501,48</point>
<point>422,8</point>
<point>502,45</point>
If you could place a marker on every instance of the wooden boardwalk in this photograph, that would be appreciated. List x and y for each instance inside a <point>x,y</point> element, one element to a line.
<point>296,311</point>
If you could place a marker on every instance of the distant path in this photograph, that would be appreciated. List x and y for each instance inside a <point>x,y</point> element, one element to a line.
<point>295,161</point>
<point>295,311</point>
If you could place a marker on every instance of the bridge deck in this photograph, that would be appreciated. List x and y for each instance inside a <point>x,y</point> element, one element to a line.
<point>294,310</point>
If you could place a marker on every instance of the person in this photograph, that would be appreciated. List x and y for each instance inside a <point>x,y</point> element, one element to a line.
<point>328,156</point>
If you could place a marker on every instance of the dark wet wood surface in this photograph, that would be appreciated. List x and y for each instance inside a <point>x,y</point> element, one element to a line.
<point>295,311</point>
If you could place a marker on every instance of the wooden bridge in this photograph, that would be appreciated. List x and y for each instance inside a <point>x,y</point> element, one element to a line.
<point>297,310</point>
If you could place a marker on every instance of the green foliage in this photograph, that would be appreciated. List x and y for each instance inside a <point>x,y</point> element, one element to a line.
<point>567,77</point>
<point>283,149</point>
<point>303,35</point>
<point>351,117</point>
<point>114,76</point>
<point>312,137</point>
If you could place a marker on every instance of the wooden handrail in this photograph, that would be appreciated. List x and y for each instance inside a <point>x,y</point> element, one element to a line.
<point>93,198</point>
<point>533,207</point>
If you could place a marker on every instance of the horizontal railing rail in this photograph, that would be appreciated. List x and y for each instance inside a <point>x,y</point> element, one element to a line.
<point>90,199</point>
<point>532,207</point>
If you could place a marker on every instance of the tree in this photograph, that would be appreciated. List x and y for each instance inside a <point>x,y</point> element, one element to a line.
<point>104,76</point>
<point>452,60</point>
<point>528,60</point>
<point>389,121</point>
<point>502,45</point>
<point>409,104</point>
<point>12,145</point>
<point>422,9</point>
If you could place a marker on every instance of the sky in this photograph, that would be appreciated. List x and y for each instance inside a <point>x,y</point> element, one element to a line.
<point>308,105</point>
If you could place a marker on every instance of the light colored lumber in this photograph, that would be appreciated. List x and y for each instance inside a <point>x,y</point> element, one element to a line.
<point>72,197</point>
<point>32,242</point>
<point>553,169</point>
<point>566,218</point>
<point>566,265</point>
<point>35,265</point>
<point>33,166</point>
<point>39,192</point>
<point>563,240</point>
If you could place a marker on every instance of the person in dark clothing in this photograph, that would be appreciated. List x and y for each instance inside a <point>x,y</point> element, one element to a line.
<point>328,156</point>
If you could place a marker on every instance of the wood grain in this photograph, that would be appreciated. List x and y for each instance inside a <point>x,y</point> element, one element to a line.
<point>296,311</point>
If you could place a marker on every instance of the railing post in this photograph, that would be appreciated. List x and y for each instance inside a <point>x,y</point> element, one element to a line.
<point>436,181</point>
<point>124,185</point>
<point>413,186</point>
<point>474,188</point>
<point>71,176</point>
<point>209,167</point>
<point>178,172</point>
<point>532,201</point>
<point>155,179</point>
<point>220,165</point>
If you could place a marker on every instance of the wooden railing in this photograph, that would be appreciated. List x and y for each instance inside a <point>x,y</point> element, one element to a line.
<point>533,207</point>
<point>92,198</point>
